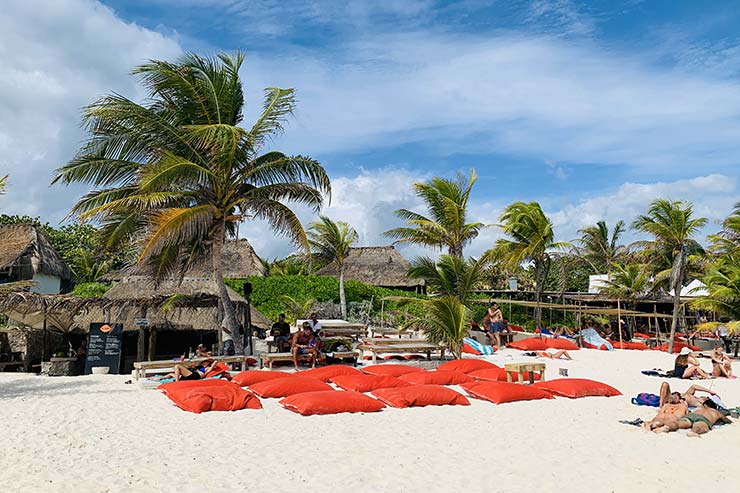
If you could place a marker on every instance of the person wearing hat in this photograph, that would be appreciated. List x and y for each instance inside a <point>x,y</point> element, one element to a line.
<point>687,366</point>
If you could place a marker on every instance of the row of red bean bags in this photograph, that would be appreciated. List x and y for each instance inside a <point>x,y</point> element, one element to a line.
<point>502,392</point>
<point>199,396</point>
<point>466,365</point>
<point>436,378</point>
<point>561,343</point>
<point>577,387</point>
<point>331,402</point>
<point>367,383</point>
<point>497,375</point>
<point>283,387</point>
<point>420,396</point>
<point>390,370</point>
<point>638,346</point>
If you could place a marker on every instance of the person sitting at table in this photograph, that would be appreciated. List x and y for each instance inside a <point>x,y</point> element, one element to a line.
<point>202,352</point>
<point>305,342</point>
<point>721,363</point>
<point>687,366</point>
<point>281,332</point>
<point>314,324</point>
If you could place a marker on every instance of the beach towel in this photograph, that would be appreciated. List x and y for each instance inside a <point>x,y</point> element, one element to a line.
<point>591,337</point>
<point>477,346</point>
<point>657,372</point>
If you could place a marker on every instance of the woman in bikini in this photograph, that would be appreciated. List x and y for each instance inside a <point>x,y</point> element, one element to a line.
<point>721,363</point>
<point>198,372</point>
<point>687,366</point>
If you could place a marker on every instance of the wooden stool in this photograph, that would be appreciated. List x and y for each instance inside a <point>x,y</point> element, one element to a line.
<point>520,368</point>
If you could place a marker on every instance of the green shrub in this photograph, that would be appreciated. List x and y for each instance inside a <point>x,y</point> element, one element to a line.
<point>90,289</point>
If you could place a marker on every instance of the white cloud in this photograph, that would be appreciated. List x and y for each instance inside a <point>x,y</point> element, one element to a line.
<point>56,57</point>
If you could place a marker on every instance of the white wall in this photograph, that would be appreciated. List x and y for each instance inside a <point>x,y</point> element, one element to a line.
<point>47,284</point>
<point>596,282</point>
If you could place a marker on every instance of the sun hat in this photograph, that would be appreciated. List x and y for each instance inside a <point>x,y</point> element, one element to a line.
<point>685,350</point>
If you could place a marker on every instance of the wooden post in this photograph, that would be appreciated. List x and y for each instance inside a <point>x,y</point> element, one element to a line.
<point>141,340</point>
<point>619,322</point>
<point>152,343</point>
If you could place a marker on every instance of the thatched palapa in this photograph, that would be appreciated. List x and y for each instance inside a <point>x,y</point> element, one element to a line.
<point>379,266</point>
<point>26,254</point>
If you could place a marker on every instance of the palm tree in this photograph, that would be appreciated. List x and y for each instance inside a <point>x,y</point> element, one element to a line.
<point>600,249</point>
<point>296,308</point>
<point>671,225</point>
<point>3,183</point>
<point>723,284</point>
<point>450,276</point>
<point>628,282</point>
<point>531,239</point>
<point>727,241</point>
<point>445,320</point>
<point>178,172</point>
<point>331,241</point>
<point>447,202</point>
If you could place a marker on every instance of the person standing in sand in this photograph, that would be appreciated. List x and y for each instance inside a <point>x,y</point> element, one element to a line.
<point>497,319</point>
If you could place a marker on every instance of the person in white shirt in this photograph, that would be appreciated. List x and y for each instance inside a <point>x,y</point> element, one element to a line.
<point>314,323</point>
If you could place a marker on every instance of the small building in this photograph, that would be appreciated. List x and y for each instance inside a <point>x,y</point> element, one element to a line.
<point>379,266</point>
<point>27,255</point>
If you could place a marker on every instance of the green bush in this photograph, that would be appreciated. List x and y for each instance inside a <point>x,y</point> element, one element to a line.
<point>266,292</point>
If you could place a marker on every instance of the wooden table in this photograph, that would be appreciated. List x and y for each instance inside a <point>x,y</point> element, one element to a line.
<point>520,368</point>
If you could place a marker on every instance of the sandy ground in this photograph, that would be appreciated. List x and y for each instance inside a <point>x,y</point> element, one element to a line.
<point>94,433</point>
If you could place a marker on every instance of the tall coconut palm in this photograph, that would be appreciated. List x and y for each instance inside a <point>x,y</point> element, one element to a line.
<point>600,249</point>
<point>530,239</point>
<point>628,282</point>
<point>450,276</point>
<point>446,226</point>
<point>671,224</point>
<point>722,281</point>
<point>727,241</point>
<point>331,241</point>
<point>177,173</point>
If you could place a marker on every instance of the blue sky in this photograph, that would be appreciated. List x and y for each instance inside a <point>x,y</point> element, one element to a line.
<point>592,108</point>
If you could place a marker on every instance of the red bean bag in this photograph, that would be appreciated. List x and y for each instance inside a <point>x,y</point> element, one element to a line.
<point>466,365</point>
<point>677,346</point>
<point>183,384</point>
<point>591,346</point>
<point>252,361</point>
<point>529,344</point>
<point>561,343</point>
<point>468,349</point>
<point>331,402</point>
<point>283,387</point>
<point>629,345</point>
<point>641,335</point>
<point>436,378</point>
<point>420,396</point>
<point>577,387</point>
<point>413,356</point>
<point>368,383</point>
<point>326,373</point>
<point>390,369</point>
<point>492,374</point>
<point>218,369</point>
<point>502,392</point>
<point>209,397</point>
<point>247,378</point>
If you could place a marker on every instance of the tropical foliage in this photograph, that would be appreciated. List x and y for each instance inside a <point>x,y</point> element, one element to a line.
<point>178,173</point>
<point>445,320</point>
<point>330,242</point>
<point>600,249</point>
<point>450,276</point>
<point>672,225</point>
<point>627,282</point>
<point>530,239</point>
<point>446,226</point>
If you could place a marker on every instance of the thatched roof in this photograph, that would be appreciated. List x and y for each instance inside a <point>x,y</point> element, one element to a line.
<point>239,262</point>
<point>379,266</point>
<point>25,250</point>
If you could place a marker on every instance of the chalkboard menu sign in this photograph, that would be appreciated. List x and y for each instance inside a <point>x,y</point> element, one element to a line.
<point>104,347</point>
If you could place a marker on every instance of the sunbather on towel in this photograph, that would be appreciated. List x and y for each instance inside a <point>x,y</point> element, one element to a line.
<point>556,355</point>
<point>672,407</point>
<point>699,422</point>
<point>198,372</point>
<point>689,397</point>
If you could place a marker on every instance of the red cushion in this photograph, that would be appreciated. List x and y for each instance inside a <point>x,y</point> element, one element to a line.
<point>436,378</point>
<point>183,384</point>
<point>251,377</point>
<point>468,349</point>
<point>218,369</point>
<point>577,387</point>
<point>368,383</point>
<point>421,395</point>
<point>252,361</point>
<point>677,346</point>
<point>283,387</point>
<point>561,343</point>
<point>641,335</point>
<point>466,365</point>
<point>501,392</point>
<point>591,346</point>
<point>202,398</point>
<point>629,345</point>
<point>413,356</point>
<point>331,402</point>
<point>529,344</point>
<point>390,369</point>
<point>326,373</point>
<point>492,374</point>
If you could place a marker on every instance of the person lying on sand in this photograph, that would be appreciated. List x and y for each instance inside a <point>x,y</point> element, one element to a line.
<point>721,363</point>
<point>687,366</point>
<point>555,355</point>
<point>699,422</point>
<point>672,407</point>
<point>689,397</point>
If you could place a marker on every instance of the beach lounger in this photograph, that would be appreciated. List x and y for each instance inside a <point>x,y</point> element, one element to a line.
<point>270,358</point>
<point>380,346</point>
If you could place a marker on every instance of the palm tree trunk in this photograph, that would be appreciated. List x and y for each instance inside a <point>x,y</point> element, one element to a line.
<point>677,271</point>
<point>538,285</point>
<point>230,325</point>
<point>342,297</point>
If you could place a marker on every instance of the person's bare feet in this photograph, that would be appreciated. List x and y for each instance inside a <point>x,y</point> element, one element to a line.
<point>693,434</point>
<point>661,429</point>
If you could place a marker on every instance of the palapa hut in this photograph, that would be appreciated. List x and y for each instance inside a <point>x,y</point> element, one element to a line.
<point>379,266</point>
<point>27,255</point>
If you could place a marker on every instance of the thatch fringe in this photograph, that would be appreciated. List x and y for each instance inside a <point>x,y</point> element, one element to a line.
<point>379,266</point>
<point>26,251</point>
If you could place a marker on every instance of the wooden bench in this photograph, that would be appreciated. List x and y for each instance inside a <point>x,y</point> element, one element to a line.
<point>270,358</point>
<point>11,364</point>
<point>376,346</point>
<point>391,332</point>
<point>140,367</point>
<point>520,368</point>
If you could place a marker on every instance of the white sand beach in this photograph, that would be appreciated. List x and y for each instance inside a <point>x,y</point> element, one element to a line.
<point>95,433</point>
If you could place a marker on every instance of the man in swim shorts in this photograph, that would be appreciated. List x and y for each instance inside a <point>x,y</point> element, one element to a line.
<point>700,421</point>
<point>672,408</point>
<point>305,342</point>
